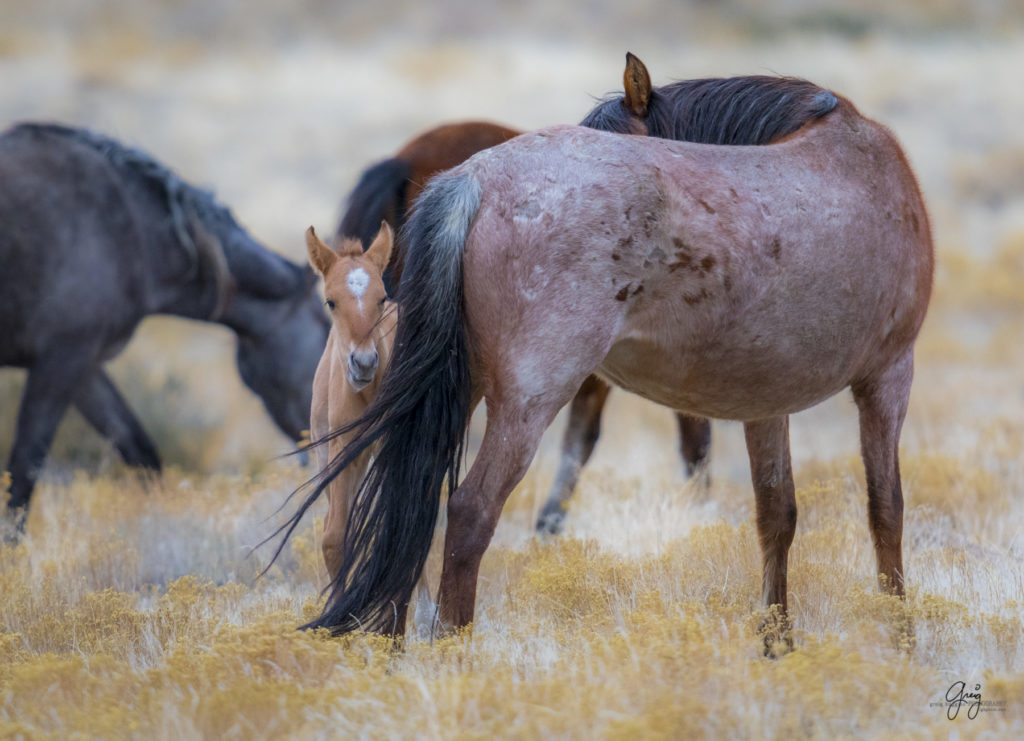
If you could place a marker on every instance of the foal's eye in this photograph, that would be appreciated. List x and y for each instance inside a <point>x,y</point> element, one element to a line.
<point>330,304</point>
<point>382,301</point>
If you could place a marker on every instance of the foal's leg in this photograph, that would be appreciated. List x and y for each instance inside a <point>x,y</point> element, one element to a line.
<point>510,441</point>
<point>772,475</point>
<point>340,494</point>
<point>694,444</point>
<point>106,410</point>
<point>581,433</point>
<point>882,402</point>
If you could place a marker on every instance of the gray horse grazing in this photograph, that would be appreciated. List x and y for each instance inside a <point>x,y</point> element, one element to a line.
<point>93,237</point>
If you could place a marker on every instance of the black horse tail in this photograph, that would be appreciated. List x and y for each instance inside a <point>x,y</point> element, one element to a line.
<point>418,421</point>
<point>380,193</point>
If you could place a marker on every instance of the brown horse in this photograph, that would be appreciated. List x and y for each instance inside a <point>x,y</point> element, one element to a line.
<point>347,377</point>
<point>743,283</point>
<point>386,190</point>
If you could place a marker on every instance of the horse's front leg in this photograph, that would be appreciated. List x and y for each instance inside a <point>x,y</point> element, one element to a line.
<point>695,445</point>
<point>772,474</point>
<point>340,494</point>
<point>106,410</point>
<point>882,402</point>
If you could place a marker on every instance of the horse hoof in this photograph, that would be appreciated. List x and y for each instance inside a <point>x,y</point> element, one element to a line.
<point>776,634</point>
<point>12,527</point>
<point>776,647</point>
<point>550,522</point>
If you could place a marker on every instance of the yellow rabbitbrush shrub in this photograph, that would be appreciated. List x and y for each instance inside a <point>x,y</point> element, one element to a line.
<point>573,638</point>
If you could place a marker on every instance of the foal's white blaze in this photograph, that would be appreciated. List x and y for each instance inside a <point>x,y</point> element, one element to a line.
<point>358,280</point>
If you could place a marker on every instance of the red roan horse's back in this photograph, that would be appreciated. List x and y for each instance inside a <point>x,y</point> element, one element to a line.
<point>729,282</point>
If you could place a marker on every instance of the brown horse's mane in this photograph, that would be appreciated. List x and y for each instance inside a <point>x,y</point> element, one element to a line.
<point>756,109</point>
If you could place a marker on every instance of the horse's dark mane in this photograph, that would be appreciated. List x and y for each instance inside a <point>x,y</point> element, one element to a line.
<point>231,258</point>
<point>182,197</point>
<point>757,109</point>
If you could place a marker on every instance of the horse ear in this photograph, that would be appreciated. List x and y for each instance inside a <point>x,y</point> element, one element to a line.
<point>380,251</point>
<point>637,82</point>
<point>321,256</point>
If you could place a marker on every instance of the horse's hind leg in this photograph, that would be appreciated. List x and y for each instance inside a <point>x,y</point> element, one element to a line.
<point>581,433</point>
<point>510,440</point>
<point>882,402</point>
<point>104,408</point>
<point>772,474</point>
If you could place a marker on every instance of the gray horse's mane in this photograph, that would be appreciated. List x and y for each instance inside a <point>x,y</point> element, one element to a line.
<point>186,203</point>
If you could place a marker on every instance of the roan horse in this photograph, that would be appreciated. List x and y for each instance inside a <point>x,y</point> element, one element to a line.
<point>94,237</point>
<point>684,111</point>
<point>386,190</point>
<point>743,283</point>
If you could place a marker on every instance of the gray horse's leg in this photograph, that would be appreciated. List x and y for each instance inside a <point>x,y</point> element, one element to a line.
<point>51,386</point>
<point>581,433</point>
<point>106,410</point>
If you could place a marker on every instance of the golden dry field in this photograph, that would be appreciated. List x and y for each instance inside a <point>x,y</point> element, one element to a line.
<point>132,609</point>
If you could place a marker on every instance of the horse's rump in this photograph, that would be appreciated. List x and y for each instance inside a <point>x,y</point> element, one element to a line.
<point>733,282</point>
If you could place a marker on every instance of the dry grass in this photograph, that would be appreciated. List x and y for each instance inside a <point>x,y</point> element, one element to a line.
<point>132,609</point>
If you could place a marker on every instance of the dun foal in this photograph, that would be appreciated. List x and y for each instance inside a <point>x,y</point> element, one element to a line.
<point>358,349</point>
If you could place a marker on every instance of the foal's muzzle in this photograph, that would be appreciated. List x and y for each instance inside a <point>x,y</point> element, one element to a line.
<point>362,367</point>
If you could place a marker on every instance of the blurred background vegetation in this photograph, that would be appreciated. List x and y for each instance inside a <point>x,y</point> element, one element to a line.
<point>267,24</point>
<point>279,106</point>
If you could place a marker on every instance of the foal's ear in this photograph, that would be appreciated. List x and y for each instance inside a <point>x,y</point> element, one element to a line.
<point>321,256</point>
<point>637,83</point>
<point>380,251</point>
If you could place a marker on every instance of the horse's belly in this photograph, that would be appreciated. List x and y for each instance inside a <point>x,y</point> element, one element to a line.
<point>743,381</point>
